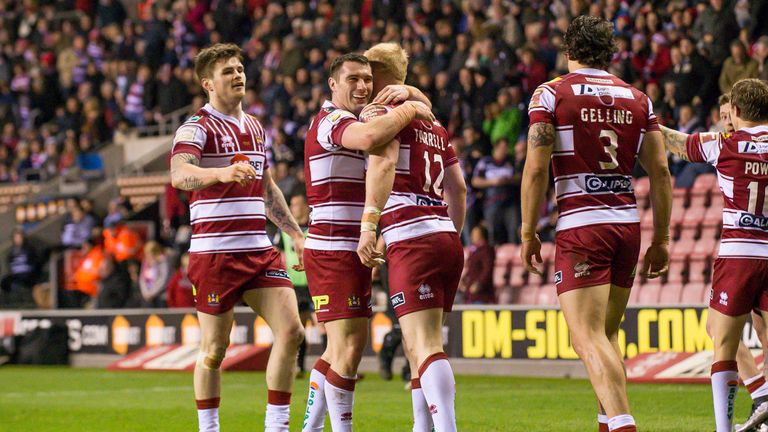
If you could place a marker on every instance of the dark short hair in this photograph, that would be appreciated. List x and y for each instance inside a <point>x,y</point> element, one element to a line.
<point>206,60</point>
<point>751,97</point>
<point>589,41</point>
<point>724,98</point>
<point>340,60</point>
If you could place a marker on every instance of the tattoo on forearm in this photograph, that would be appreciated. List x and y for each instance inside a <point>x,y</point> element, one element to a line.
<point>675,142</point>
<point>541,135</point>
<point>190,182</point>
<point>277,209</point>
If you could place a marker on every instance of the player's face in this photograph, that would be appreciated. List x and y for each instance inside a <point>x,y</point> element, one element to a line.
<point>725,117</point>
<point>353,88</point>
<point>228,82</point>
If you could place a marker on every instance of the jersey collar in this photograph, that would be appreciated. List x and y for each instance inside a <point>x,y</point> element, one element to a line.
<point>208,107</point>
<point>755,129</point>
<point>591,71</point>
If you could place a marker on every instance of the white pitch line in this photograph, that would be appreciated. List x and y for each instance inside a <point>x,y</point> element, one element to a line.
<point>156,389</point>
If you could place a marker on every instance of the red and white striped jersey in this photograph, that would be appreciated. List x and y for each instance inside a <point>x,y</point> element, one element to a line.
<point>335,179</point>
<point>600,122</point>
<point>741,161</point>
<point>416,207</point>
<point>225,217</point>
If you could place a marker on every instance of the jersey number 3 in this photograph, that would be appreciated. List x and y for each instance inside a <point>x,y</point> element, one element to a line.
<point>610,149</point>
<point>437,186</point>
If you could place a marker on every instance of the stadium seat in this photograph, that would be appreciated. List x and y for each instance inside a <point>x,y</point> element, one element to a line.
<point>649,292</point>
<point>698,269</point>
<point>547,295</point>
<point>710,232</point>
<point>681,249</point>
<point>678,213</point>
<point>546,269</point>
<point>704,248</point>
<point>500,277</point>
<point>646,221</point>
<point>676,272</point>
<point>693,294</point>
<point>634,295</point>
<point>714,215</point>
<point>527,295</point>
<point>547,251</point>
<point>704,185</point>
<point>680,194</point>
<point>693,217</point>
<point>518,276</point>
<point>698,202</point>
<point>642,188</point>
<point>670,293</point>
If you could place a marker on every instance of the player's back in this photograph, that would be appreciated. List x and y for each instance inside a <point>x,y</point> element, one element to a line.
<point>335,178</point>
<point>600,123</point>
<point>416,207</point>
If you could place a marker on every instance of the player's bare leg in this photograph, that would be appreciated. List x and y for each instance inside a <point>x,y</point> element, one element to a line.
<point>423,336</point>
<point>759,394</point>
<point>758,323</point>
<point>422,420</point>
<point>586,312</point>
<point>214,340</point>
<point>726,334</point>
<point>346,341</point>
<point>278,308</point>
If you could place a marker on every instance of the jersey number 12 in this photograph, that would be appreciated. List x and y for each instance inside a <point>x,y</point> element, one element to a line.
<point>428,177</point>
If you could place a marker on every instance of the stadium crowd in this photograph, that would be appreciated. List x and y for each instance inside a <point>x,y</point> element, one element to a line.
<point>75,75</point>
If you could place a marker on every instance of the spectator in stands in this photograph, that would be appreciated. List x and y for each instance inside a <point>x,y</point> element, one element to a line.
<point>180,291</point>
<point>88,160</point>
<point>736,67</point>
<point>77,226</point>
<point>87,277</point>
<point>716,25</point>
<point>504,118</point>
<point>495,175</point>
<point>477,283</point>
<point>155,272</point>
<point>761,57</point>
<point>23,265</point>
<point>115,291</point>
<point>122,242</point>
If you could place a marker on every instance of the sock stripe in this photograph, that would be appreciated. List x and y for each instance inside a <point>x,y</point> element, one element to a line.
<point>339,381</point>
<point>756,384</point>
<point>431,359</point>
<point>322,366</point>
<point>276,397</point>
<point>723,366</point>
<point>203,404</point>
<point>415,384</point>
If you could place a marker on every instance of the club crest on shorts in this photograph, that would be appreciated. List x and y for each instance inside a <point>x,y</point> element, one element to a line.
<point>353,302</point>
<point>558,277</point>
<point>581,269</point>
<point>213,299</point>
<point>724,298</point>
<point>425,292</point>
<point>397,300</point>
<point>281,274</point>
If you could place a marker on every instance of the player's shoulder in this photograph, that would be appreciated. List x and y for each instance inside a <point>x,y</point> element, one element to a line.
<point>334,114</point>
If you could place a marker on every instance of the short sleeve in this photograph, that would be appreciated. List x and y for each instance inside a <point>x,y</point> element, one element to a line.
<point>704,147</point>
<point>450,156</point>
<point>652,123</point>
<point>542,106</point>
<point>189,138</point>
<point>331,128</point>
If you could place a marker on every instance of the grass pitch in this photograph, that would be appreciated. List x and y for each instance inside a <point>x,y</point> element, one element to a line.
<point>46,399</point>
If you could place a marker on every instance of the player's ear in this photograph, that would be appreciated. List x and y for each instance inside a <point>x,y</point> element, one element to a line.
<point>332,83</point>
<point>207,84</point>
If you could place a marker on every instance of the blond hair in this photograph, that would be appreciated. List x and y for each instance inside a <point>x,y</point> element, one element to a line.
<point>751,97</point>
<point>389,58</point>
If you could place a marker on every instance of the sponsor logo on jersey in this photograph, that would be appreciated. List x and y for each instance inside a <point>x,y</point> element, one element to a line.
<point>397,300</point>
<point>427,201</point>
<point>353,302</point>
<point>425,292</point>
<point>558,277</point>
<point>599,80</point>
<point>186,134</point>
<point>320,301</point>
<point>581,269</point>
<point>281,274</point>
<point>213,299</point>
<point>194,118</point>
<point>601,91</point>
<point>753,147</point>
<point>724,298</point>
<point>615,184</point>
<point>747,220</point>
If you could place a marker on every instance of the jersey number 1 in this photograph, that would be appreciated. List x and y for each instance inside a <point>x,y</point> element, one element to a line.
<point>754,190</point>
<point>428,177</point>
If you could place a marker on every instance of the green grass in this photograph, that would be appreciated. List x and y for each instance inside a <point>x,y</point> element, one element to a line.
<point>36,399</point>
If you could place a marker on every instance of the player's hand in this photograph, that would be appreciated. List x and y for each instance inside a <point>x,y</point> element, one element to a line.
<point>366,250</point>
<point>298,247</point>
<point>656,261</point>
<point>422,111</point>
<point>392,94</point>
<point>530,249</point>
<point>242,173</point>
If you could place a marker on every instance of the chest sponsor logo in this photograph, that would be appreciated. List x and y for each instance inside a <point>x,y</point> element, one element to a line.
<point>425,292</point>
<point>280,274</point>
<point>397,300</point>
<point>751,147</point>
<point>615,184</point>
<point>747,220</point>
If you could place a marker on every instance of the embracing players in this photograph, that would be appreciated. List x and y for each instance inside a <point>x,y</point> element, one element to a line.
<point>340,285</point>
<point>740,278</point>
<point>218,154</point>
<point>420,217</point>
<point>593,126</point>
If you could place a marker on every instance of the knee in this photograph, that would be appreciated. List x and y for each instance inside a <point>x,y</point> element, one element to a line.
<point>292,335</point>
<point>211,356</point>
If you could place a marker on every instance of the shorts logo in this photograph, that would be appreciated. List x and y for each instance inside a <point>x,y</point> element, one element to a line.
<point>558,277</point>
<point>282,274</point>
<point>581,269</point>
<point>724,298</point>
<point>397,300</point>
<point>425,292</point>
<point>321,301</point>
<point>353,302</point>
<point>213,299</point>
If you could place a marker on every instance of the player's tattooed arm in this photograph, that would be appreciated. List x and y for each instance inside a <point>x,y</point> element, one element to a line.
<point>541,135</point>
<point>183,178</point>
<point>186,173</point>
<point>675,142</point>
<point>277,208</point>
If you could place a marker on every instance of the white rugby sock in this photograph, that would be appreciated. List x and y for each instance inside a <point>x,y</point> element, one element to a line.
<point>340,396</point>
<point>278,411</point>
<point>622,422</point>
<point>422,421</point>
<point>439,388</point>
<point>757,386</point>
<point>725,383</point>
<point>314,416</point>
<point>602,423</point>
<point>208,414</point>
